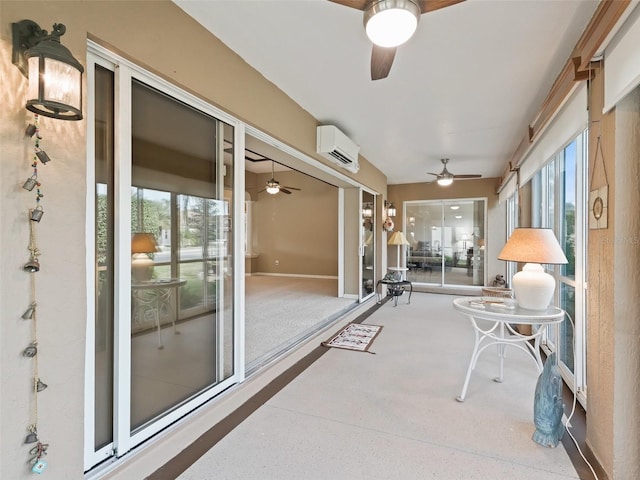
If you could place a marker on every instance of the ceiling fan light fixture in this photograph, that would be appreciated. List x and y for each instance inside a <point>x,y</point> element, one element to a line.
<point>272,186</point>
<point>445,180</point>
<point>390,23</point>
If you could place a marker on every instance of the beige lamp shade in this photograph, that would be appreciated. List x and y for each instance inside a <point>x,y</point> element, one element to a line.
<point>533,245</point>
<point>533,287</point>
<point>143,243</point>
<point>398,238</point>
<point>141,265</point>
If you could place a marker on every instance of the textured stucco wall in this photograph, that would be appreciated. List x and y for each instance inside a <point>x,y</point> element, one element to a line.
<point>626,244</point>
<point>600,285</point>
<point>613,330</point>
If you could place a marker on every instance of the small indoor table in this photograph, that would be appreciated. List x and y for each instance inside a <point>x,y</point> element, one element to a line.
<point>395,289</point>
<point>491,321</point>
<point>156,296</point>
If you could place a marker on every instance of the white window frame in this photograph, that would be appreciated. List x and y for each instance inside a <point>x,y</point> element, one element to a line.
<point>540,202</point>
<point>123,440</point>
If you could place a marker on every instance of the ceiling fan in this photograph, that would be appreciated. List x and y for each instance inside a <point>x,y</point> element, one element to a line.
<point>390,23</point>
<point>273,186</point>
<point>445,177</point>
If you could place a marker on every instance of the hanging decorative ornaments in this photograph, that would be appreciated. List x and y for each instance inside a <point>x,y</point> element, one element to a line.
<point>32,266</point>
<point>598,198</point>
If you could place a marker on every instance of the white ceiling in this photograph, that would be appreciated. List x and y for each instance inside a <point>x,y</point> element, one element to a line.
<point>465,87</point>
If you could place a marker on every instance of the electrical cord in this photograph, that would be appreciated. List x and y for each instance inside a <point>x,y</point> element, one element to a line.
<point>573,409</point>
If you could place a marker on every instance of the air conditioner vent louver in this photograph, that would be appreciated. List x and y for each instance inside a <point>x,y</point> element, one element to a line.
<point>336,146</point>
<point>340,157</point>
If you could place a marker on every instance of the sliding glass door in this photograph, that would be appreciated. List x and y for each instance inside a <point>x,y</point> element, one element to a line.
<point>367,244</point>
<point>446,241</point>
<point>164,324</point>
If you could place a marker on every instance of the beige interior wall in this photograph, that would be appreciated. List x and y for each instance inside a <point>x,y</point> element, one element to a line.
<point>160,37</point>
<point>296,234</point>
<point>486,187</point>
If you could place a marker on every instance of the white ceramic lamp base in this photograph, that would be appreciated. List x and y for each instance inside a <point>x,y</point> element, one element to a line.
<point>141,267</point>
<point>533,287</point>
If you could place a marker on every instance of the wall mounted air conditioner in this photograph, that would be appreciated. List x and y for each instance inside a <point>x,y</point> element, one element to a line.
<point>337,147</point>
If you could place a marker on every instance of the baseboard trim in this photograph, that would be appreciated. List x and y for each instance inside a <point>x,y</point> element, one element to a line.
<point>293,275</point>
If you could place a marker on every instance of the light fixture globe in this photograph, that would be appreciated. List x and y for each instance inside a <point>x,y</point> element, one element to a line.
<point>445,179</point>
<point>273,187</point>
<point>55,76</point>
<point>390,23</point>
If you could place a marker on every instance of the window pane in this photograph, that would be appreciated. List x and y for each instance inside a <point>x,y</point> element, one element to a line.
<point>368,243</point>
<point>104,257</point>
<point>565,344</point>
<point>567,235</point>
<point>182,335</point>
<point>447,242</point>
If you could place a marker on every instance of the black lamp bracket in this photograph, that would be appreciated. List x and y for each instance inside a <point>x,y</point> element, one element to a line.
<point>27,34</point>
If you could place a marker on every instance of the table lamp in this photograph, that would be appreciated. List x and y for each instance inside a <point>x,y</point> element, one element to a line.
<point>398,239</point>
<point>533,287</point>
<point>141,265</point>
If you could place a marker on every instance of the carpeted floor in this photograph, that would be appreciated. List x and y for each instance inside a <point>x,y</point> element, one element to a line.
<point>279,310</point>
<point>393,414</point>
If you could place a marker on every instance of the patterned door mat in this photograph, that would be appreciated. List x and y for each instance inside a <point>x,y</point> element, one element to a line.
<point>354,336</point>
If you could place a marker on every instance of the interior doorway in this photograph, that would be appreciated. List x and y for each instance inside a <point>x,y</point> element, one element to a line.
<point>292,251</point>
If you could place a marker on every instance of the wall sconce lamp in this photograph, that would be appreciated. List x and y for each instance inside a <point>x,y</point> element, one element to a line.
<point>55,77</point>
<point>391,209</point>
<point>388,225</point>
<point>367,210</point>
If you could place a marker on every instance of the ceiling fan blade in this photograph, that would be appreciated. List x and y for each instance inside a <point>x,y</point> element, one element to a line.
<point>284,190</point>
<point>432,5</point>
<point>467,176</point>
<point>381,61</point>
<point>290,188</point>
<point>436,174</point>
<point>357,4</point>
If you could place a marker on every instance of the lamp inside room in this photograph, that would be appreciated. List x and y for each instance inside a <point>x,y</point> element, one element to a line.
<point>398,239</point>
<point>55,76</point>
<point>141,264</point>
<point>390,23</point>
<point>533,287</point>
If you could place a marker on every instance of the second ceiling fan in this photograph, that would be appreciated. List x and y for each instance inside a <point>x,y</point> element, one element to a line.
<point>390,23</point>
<point>445,177</point>
<point>273,186</point>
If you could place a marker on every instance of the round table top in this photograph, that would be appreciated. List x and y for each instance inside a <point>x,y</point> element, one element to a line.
<point>161,283</point>
<point>506,309</point>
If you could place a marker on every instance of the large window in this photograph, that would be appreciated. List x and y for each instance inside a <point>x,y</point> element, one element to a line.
<point>559,203</point>
<point>447,241</point>
<point>164,326</point>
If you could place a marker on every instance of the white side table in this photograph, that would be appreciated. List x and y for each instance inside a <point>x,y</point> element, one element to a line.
<point>157,295</point>
<point>496,330</point>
